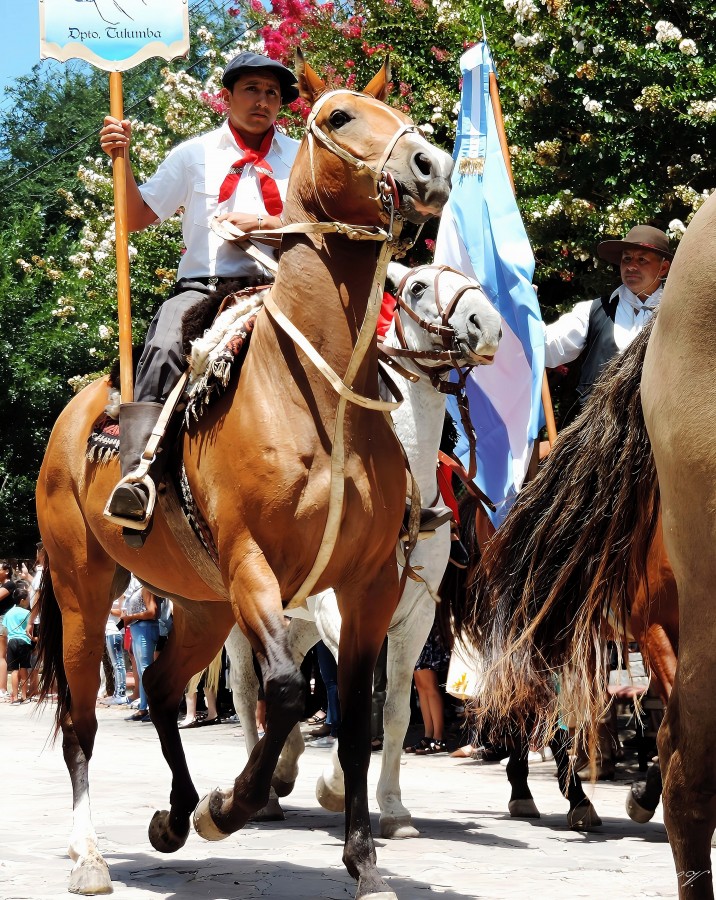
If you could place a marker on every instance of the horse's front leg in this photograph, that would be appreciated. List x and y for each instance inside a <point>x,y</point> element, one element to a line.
<point>406,639</point>
<point>199,631</point>
<point>521,804</point>
<point>366,610</point>
<point>257,604</point>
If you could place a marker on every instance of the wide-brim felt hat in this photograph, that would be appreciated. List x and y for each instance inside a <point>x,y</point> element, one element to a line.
<point>645,237</point>
<point>247,61</point>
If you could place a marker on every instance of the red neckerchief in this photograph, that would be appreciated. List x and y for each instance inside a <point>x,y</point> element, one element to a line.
<point>269,188</point>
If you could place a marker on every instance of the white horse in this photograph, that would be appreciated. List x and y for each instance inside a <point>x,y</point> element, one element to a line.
<point>433,295</point>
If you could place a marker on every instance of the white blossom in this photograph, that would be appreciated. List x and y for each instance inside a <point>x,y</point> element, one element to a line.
<point>598,49</point>
<point>677,227</point>
<point>696,158</point>
<point>688,47</point>
<point>522,9</point>
<point>526,40</point>
<point>105,333</point>
<point>592,106</point>
<point>578,45</point>
<point>703,109</point>
<point>666,32</point>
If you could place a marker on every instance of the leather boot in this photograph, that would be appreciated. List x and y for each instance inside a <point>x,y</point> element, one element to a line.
<point>129,500</point>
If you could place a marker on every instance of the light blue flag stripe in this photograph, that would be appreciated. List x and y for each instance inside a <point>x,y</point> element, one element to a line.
<point>482,233</point>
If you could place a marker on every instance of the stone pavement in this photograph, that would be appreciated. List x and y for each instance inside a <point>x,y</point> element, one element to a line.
<point>469,847</point>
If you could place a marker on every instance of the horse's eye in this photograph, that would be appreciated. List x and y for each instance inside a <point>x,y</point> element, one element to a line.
<point>338,118</point>
<point>417,288</point>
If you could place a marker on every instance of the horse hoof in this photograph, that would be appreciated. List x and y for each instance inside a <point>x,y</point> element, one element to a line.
<point>329,799</point>
<point>374,895</point>
<point>636,812</point>
<point>583,817</point>
<point>282,788</point>
<point>162,836</point>
<point>272,812</point>
<point>203,823</point>
<point>523,809</point>
<point>397,828</point>
<point>90,877</point>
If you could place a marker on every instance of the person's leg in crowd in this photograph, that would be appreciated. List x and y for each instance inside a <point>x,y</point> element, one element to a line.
<point>329,673</point>
<point>431,707</point>
<point>3,662</point>
<point>144,640</point>
<point>115,651</point>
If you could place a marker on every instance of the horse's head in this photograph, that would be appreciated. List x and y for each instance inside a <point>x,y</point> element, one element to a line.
<point>365,156</point>
<point>445,315</point>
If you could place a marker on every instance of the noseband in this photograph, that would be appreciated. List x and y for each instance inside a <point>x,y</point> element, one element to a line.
<point>450,356</point>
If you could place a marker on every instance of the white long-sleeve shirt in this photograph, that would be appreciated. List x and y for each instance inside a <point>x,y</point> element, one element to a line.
<point>566,338</point>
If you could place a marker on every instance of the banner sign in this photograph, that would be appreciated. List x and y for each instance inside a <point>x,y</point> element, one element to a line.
<point>113,35</point>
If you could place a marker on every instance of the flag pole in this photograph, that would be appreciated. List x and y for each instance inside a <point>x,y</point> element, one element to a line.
<point>124,308</point>
<point>500,122</point>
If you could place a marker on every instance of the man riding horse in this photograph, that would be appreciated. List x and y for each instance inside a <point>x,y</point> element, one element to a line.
<point>238,172</point>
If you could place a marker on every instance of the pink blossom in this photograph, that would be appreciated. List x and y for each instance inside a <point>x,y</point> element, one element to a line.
<point>349,64</point>
<point>214,102</point>
<point>440,54</point>
<point>430,244</point>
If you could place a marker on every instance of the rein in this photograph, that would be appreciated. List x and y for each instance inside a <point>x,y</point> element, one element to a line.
<point>366,335</point>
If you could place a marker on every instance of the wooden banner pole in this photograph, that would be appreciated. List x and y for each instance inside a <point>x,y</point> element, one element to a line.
<point>500,122</point>
<point>124,306</point>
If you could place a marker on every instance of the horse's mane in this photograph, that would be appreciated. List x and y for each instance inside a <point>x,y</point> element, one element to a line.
<point>564,556</point>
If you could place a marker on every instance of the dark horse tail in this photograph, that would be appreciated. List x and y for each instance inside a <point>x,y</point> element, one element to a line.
<point>49,649</point>
<point>561,562</point>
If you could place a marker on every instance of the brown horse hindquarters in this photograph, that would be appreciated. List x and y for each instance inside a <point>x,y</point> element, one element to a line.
<point>679,397</point>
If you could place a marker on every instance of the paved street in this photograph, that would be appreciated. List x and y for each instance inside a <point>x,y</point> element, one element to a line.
<point>469,847</point>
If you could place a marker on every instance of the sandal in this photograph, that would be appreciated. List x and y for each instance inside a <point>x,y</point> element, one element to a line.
<point>422,744</point>
<point>432,748</point>
<point>318,718</point>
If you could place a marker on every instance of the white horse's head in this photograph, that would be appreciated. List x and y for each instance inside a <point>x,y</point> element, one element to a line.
<point>447,314</point>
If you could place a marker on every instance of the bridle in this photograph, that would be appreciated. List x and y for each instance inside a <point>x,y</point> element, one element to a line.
<point>449,356</point>
<point>383,182</point>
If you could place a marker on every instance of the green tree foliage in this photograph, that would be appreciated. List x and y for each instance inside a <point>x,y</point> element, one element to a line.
<point>610,112</point>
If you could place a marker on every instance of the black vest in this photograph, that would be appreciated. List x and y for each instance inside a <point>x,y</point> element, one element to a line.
<point>601,347</point>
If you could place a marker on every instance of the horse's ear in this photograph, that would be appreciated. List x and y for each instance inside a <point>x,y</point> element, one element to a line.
<point>396,273</point>
<point>379,86</point>
<point>309,84</point>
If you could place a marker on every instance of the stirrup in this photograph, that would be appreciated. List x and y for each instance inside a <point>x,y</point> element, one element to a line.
<point>134,524</point>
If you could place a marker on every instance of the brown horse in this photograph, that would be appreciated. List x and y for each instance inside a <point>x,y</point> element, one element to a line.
<point>679,407</point>
<point>583,537</point>
<point>264,466</point>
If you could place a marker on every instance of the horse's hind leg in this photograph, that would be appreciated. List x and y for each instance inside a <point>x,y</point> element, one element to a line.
<point>199,631</point>
<point>366,611</point>
<point>71,646</point>
<point>261,614</point>
<point>582,815</point>
<point>686,755</point>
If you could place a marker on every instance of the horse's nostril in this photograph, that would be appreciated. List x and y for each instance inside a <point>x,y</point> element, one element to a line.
<point>423,164</point>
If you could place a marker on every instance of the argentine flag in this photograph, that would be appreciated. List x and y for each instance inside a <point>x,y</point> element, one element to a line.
<point>481,233</point>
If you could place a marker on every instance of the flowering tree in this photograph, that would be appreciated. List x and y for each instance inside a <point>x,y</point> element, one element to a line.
<point>610,111</point>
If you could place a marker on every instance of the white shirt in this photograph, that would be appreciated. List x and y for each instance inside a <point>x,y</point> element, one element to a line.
<point>191,177</point>
<point>566,338</point>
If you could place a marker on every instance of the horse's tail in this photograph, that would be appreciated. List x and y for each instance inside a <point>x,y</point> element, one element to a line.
<point>562,560</point>
<point>49,649</point>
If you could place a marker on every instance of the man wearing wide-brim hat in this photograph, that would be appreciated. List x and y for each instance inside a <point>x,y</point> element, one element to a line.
<point>599,329</point>
<point>237,172</point>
